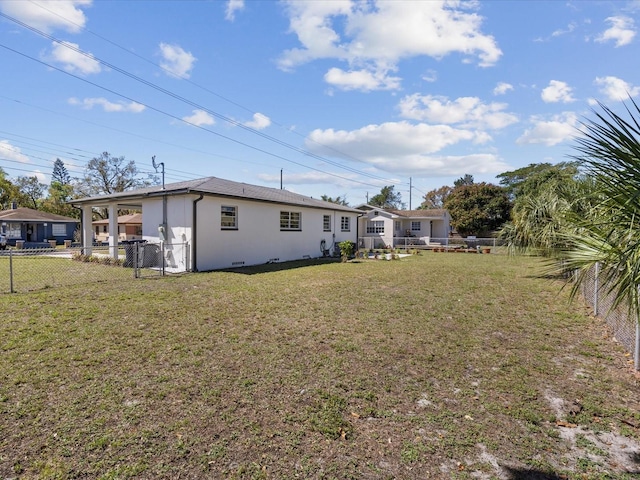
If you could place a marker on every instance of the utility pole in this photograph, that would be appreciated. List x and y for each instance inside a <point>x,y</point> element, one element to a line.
<point>280,179</point>
<point>410,193</point>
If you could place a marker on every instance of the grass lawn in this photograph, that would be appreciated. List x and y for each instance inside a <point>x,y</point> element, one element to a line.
<point>434,366</point>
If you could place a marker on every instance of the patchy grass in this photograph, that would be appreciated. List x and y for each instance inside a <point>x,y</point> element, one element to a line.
<point>435,366</point>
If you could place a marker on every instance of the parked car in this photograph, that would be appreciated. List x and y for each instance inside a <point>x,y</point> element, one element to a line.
<point>3,242</point>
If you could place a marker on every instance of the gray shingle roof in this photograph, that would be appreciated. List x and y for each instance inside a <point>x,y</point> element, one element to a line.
<point>219,187</point>
<point>23,214</point>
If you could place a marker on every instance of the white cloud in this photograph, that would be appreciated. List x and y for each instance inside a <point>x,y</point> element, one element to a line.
<point>622,31</point>
<point>551,132</point>
<point>199,118</point>
<point>363,80</point>
<point>570,28</point>
<point>176,61</point>
<point>42,178</point>
<point>11,152</point>
<point>374,36</point>
<point>48,15</point>
<point>468,112</point>
<point>615,89</point>
<point>502,88</point>
<point>68,54</point>
<point>107,106</point>
<point>430,76</point>
<point>233,6</point>
<point>405,147</point>
<point>259,122</point>
<point>557,91</point>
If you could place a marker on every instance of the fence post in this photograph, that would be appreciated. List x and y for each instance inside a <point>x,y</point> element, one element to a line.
<point>11,272</point>
<point>596,287</point>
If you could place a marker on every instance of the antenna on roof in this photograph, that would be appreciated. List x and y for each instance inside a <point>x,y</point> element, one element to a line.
<point>156,165</point>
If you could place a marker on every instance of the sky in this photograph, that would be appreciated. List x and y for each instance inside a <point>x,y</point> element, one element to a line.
<point>336,98</point>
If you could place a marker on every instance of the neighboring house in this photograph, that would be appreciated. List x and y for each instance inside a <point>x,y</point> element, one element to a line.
<point>129,228</point>
<point>32,227</point>
<point>211,223</point>
<point>380,228</point>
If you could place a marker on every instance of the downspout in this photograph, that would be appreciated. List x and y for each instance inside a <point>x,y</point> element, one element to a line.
<point>194,234</point>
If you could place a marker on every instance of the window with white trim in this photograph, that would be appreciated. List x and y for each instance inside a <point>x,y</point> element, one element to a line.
<point>58,229</point>
<point>345,224</point>
<point>228,217</point>
<point>375,226</point>
<point>326,223</point>
<point>416,226</point>
<point>291,221</point>
<point>13,230</point>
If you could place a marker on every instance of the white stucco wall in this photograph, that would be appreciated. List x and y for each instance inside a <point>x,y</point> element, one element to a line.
<point>258,238</point>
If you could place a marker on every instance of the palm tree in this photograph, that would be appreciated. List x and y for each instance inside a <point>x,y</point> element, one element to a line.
<point>609,152</point>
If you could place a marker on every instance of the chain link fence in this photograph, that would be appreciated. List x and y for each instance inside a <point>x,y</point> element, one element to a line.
<point>25,270</point>
<point>597,295</point>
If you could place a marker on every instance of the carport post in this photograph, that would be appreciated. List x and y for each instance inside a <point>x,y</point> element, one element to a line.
<point>87,230</point>
<point>113,230</point>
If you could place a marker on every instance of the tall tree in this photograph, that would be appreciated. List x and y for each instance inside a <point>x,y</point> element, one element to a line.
<point>60,173</point>
<point>528,180</point>
<point>478,209</point>
<point>340,200</point>
<point>8,191</point>
<point>436,198</point>
<point>387,198</point>
<point>108,174</point>
<point>462,181</point>
<point>544,196</point>
<point>31,191</point>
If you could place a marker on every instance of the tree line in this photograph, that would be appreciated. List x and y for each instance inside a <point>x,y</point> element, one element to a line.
<point>104,174</point>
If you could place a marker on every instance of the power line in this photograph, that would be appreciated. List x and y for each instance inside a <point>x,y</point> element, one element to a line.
<point>188,80</point>
<point>189,102</point>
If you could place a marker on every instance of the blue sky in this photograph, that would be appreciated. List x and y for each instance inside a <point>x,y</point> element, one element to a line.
<point>343,96</point>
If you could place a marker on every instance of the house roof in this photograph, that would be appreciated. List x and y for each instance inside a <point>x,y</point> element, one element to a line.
<point>134,218</point>
<point>430,213</point>
<point>23,214</point>
<point>424,213</point>
<point>218,187</point>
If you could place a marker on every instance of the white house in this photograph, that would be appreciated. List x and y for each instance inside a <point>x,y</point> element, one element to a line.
<point>211,223</point>
<point>380,228</point>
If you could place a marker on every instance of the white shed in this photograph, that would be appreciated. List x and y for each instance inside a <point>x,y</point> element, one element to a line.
<point>211,223</point>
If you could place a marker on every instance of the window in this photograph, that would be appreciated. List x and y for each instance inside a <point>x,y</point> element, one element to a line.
<point>397,225</point>
<point>290,220</point>
<point>326,223</point>
<point>58,229</point>
<point>228,218</point>
<point>345,224</point>
<point>13,230</point>
<point>375,226</point>
<point>416,226</point>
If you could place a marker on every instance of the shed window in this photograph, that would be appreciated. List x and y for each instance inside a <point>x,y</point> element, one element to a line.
<point>228,218</point>
<point>290,220</point>
<point>326,223</point>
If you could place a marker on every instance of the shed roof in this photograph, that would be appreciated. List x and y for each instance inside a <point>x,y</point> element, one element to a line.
<point>218,187</point>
